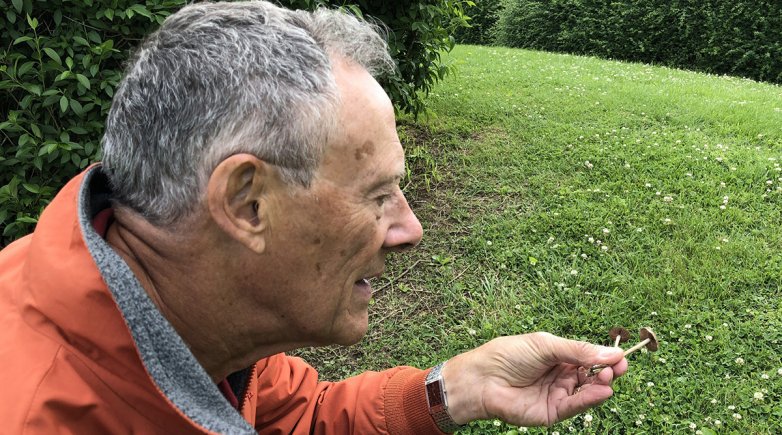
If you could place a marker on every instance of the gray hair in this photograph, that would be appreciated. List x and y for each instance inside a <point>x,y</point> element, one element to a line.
<point>219,79</point>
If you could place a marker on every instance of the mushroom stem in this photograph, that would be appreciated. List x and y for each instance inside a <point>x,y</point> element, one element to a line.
<point>637,346</point>
<point>618,339</point>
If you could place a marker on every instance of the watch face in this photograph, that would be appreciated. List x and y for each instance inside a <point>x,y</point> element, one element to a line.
<point>434,393</point>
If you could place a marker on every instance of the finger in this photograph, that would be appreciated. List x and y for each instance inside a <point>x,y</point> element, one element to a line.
<point>620,368</point>
<point>580,353</point>
<point>589,396</point>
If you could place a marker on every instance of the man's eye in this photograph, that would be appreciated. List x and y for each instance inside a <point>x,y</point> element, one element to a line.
<point>382,199</point>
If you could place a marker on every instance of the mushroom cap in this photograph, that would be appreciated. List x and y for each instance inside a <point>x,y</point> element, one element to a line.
<point>618,331</point>
<point>647,332</point>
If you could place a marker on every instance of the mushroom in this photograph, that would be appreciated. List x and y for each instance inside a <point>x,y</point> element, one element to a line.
<point>619,335</point>
<point>648,339</point>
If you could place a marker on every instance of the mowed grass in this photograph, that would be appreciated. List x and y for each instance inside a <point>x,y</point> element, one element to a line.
<point>570,195</point>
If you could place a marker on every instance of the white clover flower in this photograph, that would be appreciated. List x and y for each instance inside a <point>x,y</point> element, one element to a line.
<point>588,164</point>
<point>725,240</point>
<point>732,407</point>
<point>722,207</point>
<point>689,174</point>
<point>606,231</point>
<point>667,220</point>
<point>550,239</point>
<point>779,372</point>
<point>497,423</point>
<point>698,432</point>
<point>669,293</point>
<point>717,423</point>
<point>709,338</point>
<point>571,429</point>
<point>693,425</point>
<point>488,242</point>
<point>737,416</point>
<point>614,410</point>
<point>722,184</point>
<point>653,313</point>
<point>667,198</point>
<point>740,361</point>
<point>713,401</point>
<point>764,376</point>
<point>662,360</point>
<point>687,326</point>
<point>758,396</point>
<point>604,248</point>
<point>591,240</point>
<point>648,185</point>
<point>641,416</point>
<point>584,256</point>
<point>725,325</point>
<point>769,182</point>
<point>650,384</point>
<point>588,417</point>
<point>556,432</point>
<point>574,272</point>
<point>638,422</point>
<point>523,429</point>
<point>639,229</point>
<point>658,193</point>
<point>472,331</point>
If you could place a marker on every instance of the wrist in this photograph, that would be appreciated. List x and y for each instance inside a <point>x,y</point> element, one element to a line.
<point>464,393</point>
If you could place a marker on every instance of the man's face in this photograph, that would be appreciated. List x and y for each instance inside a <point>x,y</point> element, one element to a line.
<point>327,241</point>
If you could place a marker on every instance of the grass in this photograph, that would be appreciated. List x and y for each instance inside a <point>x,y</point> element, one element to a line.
<point>570,195</point>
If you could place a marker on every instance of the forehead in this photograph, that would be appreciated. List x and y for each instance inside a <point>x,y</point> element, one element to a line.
<point>365,145</point>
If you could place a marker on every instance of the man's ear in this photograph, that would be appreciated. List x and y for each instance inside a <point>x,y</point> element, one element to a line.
<point>235,198</point>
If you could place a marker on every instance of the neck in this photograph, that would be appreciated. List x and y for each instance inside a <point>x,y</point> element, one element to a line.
<point>193,286</point>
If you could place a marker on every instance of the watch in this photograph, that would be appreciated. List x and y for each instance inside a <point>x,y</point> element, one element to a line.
<point>437,399</point>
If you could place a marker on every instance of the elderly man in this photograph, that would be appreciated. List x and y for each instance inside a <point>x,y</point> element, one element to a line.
<point>248,193</point>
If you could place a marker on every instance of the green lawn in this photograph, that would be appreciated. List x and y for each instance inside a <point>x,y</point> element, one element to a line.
<point>571,195</point>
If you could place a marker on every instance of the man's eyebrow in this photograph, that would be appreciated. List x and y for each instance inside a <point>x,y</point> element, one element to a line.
<point>391,179</point>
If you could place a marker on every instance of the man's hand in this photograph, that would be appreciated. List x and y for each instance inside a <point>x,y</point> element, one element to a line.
<point>529,380</point>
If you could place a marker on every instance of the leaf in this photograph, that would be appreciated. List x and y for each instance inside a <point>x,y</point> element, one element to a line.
<point>21,39</point>
<point>36,130</point>
<point>76,107</point>
<point>57,17</point>
<point>33,188</point>
<point>63,103</point>
<point>83,80</point>
<point>79,130</point>
<point>53,54</point>
<point>81,41</point>
<point>17,5</point>
<point>34,89</point>
<point>141,10</point>
<point>27,66</point>
<point>10,16</point>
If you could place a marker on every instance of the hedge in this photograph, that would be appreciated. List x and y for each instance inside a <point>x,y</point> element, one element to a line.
<point>61,60</point>
<point>735,37</point>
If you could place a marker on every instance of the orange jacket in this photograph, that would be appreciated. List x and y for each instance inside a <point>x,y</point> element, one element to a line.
<point>83,350</point>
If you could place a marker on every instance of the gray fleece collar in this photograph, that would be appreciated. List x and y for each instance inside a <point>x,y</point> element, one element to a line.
<point>165,355</point>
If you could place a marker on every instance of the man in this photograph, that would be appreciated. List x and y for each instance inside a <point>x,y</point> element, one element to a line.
<point>249,192</point>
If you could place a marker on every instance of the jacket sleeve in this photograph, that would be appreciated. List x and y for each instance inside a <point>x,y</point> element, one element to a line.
<point>291,400</point>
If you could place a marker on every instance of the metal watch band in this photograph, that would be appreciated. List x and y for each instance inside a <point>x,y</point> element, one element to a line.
<point>437,399</point>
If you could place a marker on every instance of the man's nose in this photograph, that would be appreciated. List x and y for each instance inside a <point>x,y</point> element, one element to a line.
<point>405,232</point>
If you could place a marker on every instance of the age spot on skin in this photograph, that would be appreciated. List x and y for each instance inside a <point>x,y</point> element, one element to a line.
<point>316,241</point>
<point>317,267</point>
<point>366,150</point>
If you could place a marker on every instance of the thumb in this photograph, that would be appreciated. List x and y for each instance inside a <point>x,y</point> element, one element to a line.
<point>580,353</point>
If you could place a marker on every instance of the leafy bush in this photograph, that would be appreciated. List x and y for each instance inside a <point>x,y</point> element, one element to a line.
<point>742,38</point>
<point>60,62</point>
<point>483,18</point>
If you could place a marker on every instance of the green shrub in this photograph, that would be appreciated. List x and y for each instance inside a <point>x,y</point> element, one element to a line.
<point>61,60</point>
<point>742,38</point>
<point>483,18</point>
